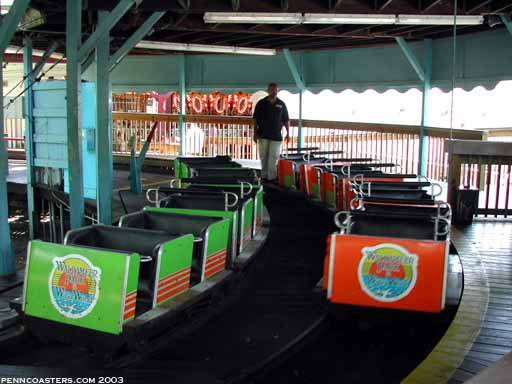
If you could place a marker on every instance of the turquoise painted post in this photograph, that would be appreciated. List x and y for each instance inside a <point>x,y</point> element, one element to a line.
<point>74,118</point>
<point>7,29</point>
<point>6,254</point>
<point>29,131</point>
<point>10,22</point>
<point>425,74</point>
<point>104,127</point>
<point>427,66</point>
<point>298,77</point>
<point>409,54</point>
<point>300,133</point>
<point>183,109</point>
<point>508,23</point>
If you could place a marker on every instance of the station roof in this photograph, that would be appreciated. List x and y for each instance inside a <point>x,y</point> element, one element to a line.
<point>183,22</point>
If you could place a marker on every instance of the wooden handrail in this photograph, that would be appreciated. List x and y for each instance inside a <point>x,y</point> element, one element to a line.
<point>322,124</point>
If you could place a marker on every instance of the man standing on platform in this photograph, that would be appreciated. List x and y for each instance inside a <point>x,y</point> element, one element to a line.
<point>270,116</point>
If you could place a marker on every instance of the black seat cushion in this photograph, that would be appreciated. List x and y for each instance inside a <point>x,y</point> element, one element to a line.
<point>121,239</point>
<point>171,223</point>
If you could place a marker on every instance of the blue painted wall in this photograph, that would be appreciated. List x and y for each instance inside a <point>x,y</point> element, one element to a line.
<point>483,59</point>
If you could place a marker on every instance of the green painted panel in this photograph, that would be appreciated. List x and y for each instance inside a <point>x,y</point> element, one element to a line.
<point>76,286</point>
<point>218,237</point>
<point>315,191</point>
<point>131,288</point>
<point>174,269</point>
<point>229,215</point>
<point>330,199</point>
<point>247,222</point>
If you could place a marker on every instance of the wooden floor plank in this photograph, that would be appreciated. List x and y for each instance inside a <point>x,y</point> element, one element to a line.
<point>481,332</point>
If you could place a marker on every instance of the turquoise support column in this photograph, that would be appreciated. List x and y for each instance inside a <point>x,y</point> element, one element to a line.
<point>73,104</point>
<point>427,65</point>
<point>300,132</point>
<point>298,77</point>
<point>104,158</point>
<point>29,131</point>
<point>7,29</point>
<point>411,57</point>
<point>424,73</point>
<point>508,23</point>
<point>183,94</point>
<point>6,255</point>
<point>10,22</point>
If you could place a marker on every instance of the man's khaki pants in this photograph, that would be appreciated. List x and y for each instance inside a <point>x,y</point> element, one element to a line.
<point>269,154</point>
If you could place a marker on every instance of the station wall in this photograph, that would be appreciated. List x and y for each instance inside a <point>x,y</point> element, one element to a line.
<point>482,59</point>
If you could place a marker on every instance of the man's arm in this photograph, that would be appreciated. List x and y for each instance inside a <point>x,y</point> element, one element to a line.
<point>286,126</point>
<point>286,123</point>
<point>256,130</point>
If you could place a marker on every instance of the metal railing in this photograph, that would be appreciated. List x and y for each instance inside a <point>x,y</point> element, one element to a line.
<point>485,167</point>
<point>14,134</point>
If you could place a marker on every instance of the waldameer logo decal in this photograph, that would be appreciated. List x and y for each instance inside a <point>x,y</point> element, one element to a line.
<point>74,286</point>
<point>387,272</point>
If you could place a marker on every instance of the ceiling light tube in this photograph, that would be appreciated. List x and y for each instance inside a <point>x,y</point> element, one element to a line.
<point>204,48</point>
<point>12,49</point>
<point>333,18</point>
<point>252,18</point>
<point>438,20</point>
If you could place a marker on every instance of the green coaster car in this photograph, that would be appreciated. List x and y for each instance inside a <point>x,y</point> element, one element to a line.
<point>211,237</point>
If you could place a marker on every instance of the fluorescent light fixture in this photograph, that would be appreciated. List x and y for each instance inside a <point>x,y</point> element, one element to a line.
<point>438,20</point>
<point>204,48</point>
<point>337,18</point>
<point>252,18</point>
<point>333,18</point>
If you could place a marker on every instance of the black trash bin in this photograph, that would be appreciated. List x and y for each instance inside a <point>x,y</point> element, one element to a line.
<point>466,206</point>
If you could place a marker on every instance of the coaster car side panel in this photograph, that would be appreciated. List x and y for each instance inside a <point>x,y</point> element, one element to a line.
<point>88,288</point>
<point>231,216</point>
<point>387,272</point>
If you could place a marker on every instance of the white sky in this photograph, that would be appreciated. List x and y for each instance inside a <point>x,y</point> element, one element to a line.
<point>476,109</point>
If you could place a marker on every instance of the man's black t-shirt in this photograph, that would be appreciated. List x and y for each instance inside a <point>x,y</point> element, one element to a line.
<point>270,118</point>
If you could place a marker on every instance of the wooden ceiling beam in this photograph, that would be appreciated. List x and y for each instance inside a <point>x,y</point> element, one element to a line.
<point>475,6</point>
<point>382,4</point>
<point>333,4</point>
<point>427,5</point>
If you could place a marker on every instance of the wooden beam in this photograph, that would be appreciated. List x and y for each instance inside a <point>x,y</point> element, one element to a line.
<point>479,5</point>
<point>185,4</point>
<point>333,4</point>
<point>502,6</point>
<point>429,4</point>
<point>235,5</point>
<point>381,4</point>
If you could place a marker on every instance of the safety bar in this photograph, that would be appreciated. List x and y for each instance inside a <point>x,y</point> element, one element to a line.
<point>433,187</point>
<point>327,152</point>
<point>171,183</point>
<point>298,149</point>
<point>342,225</point>
<point>226,200</point>
<point>175,191</point>
<point>242,189</point>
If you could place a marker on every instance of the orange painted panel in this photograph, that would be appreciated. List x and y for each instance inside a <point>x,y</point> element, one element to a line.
<point>286,173</point>
<point>389,273</point>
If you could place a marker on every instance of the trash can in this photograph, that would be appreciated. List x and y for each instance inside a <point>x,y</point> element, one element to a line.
<point>466,206</point>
